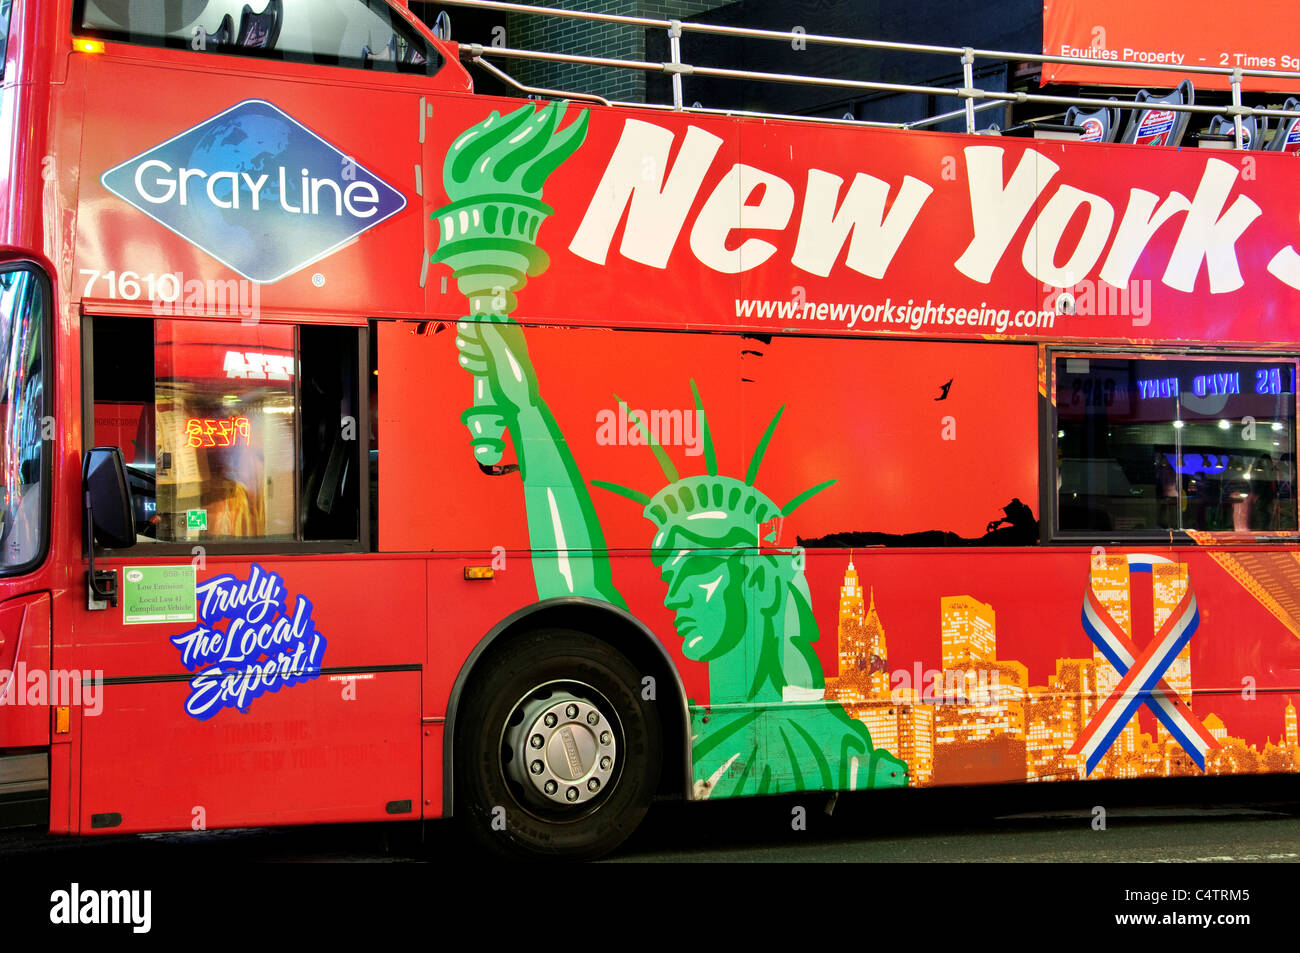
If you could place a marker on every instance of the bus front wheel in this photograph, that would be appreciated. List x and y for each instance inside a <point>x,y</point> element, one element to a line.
<point>557,753</point>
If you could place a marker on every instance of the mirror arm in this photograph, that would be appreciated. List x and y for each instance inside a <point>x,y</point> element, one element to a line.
<point>96,597</point>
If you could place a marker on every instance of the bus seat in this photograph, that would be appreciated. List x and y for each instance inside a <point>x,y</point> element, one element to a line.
<point>1287,136</point>
<point>259,31</point>
<point>218,37</point>
<point>396,50</point>
<point>1149,125</point>
<point>1099,125</point>
<point>1253,130</point>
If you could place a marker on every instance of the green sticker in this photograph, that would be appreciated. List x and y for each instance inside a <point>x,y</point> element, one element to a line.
<point>159,593</point>
<point>196,519</point>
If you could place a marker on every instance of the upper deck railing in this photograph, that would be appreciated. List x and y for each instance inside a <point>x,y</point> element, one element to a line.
<point>975,99</point>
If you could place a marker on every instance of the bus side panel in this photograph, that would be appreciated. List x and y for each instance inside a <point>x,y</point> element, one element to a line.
<point>24,662</point>
<point>957,646</point>
<point>338,748</point>
<point>906,455</point>
<point>335,747</point>
<point>369,119</point>
<point>989,672</point>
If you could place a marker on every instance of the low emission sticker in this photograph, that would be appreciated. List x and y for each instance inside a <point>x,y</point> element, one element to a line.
<point>158,594</point>
<point>257,190</point>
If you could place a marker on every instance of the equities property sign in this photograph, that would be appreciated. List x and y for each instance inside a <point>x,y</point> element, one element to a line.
<point>1192,33</point>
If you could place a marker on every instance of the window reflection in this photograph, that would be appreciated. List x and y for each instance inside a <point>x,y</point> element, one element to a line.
<point>22,399</point>
<point>1190,444</point>
<point>224,409</point>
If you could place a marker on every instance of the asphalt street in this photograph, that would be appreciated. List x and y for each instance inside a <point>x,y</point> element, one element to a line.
<point>1182,821</point>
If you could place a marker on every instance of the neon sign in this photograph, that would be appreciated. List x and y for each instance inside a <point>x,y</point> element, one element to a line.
<point>1268,380</point>
<point>224,432</point>
<point>254,365</point>
<point>1162,387</point>
<point>1203,384</point>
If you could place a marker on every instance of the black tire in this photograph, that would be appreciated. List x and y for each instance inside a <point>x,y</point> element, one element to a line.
<point>506,813</point>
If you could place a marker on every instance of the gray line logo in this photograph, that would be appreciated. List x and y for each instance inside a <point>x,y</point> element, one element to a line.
<point>257,190</point>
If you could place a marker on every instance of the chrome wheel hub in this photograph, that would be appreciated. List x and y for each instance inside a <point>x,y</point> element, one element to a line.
<point>564,750</point>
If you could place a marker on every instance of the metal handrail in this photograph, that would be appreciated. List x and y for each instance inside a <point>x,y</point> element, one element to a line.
<point>968,92</point>
<point>944,117</point>
<point>538,90</point>
<point>690,27</point>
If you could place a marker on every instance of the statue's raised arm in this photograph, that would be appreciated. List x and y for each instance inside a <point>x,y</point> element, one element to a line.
<point>493,176</point>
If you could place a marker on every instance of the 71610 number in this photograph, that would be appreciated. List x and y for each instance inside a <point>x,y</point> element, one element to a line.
<point>130,286</point>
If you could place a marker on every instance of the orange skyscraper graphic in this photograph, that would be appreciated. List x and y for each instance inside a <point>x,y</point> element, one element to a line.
<point>980,699</point>
<point>898,722</point>
<point>863,655</point>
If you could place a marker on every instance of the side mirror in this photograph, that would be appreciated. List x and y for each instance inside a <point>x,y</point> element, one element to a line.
<point>109,512</point>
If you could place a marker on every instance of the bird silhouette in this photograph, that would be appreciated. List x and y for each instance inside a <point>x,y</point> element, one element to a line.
<point>944,395</point>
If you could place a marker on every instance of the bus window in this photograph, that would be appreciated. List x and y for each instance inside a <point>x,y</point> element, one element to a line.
<point>240,434</point>
<point>355,33</point>
<point>331,433</point>
<point>1153,444</point>
<point>22,420</point>
<point>124,409</point>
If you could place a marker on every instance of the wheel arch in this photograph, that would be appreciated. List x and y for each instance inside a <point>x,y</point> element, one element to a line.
<point>619,629</point>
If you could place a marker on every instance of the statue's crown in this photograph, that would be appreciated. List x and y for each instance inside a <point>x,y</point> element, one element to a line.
<point>709,497</point>
<point>721,509</point>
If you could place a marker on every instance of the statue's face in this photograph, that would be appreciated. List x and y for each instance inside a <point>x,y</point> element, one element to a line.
<point>705,594</point>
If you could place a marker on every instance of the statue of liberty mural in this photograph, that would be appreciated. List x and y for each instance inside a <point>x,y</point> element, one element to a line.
<point>743,610</point>
<point>746,611</point>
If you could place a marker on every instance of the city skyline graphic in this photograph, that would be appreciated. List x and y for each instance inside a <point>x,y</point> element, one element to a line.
<point>980,720</point>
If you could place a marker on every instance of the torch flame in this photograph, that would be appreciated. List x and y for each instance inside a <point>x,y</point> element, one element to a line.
<point>513,154</point>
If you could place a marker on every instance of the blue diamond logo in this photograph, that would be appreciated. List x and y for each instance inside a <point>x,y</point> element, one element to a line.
<point>257,190</point>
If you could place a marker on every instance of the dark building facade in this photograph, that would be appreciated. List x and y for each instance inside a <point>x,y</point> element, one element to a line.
<point>1012,25</point>
<point>554,35</point>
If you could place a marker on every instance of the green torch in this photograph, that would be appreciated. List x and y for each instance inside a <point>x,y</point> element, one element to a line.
<point>493,175</point>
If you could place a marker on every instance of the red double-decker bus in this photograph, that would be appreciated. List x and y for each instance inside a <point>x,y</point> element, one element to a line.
<point>376,450</point>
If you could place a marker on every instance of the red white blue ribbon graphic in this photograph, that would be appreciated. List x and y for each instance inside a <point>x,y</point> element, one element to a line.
<point>1142,672</point>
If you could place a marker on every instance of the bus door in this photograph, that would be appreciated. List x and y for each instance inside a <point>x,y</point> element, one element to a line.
<point>256,666</point>
<point>248,195</point>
